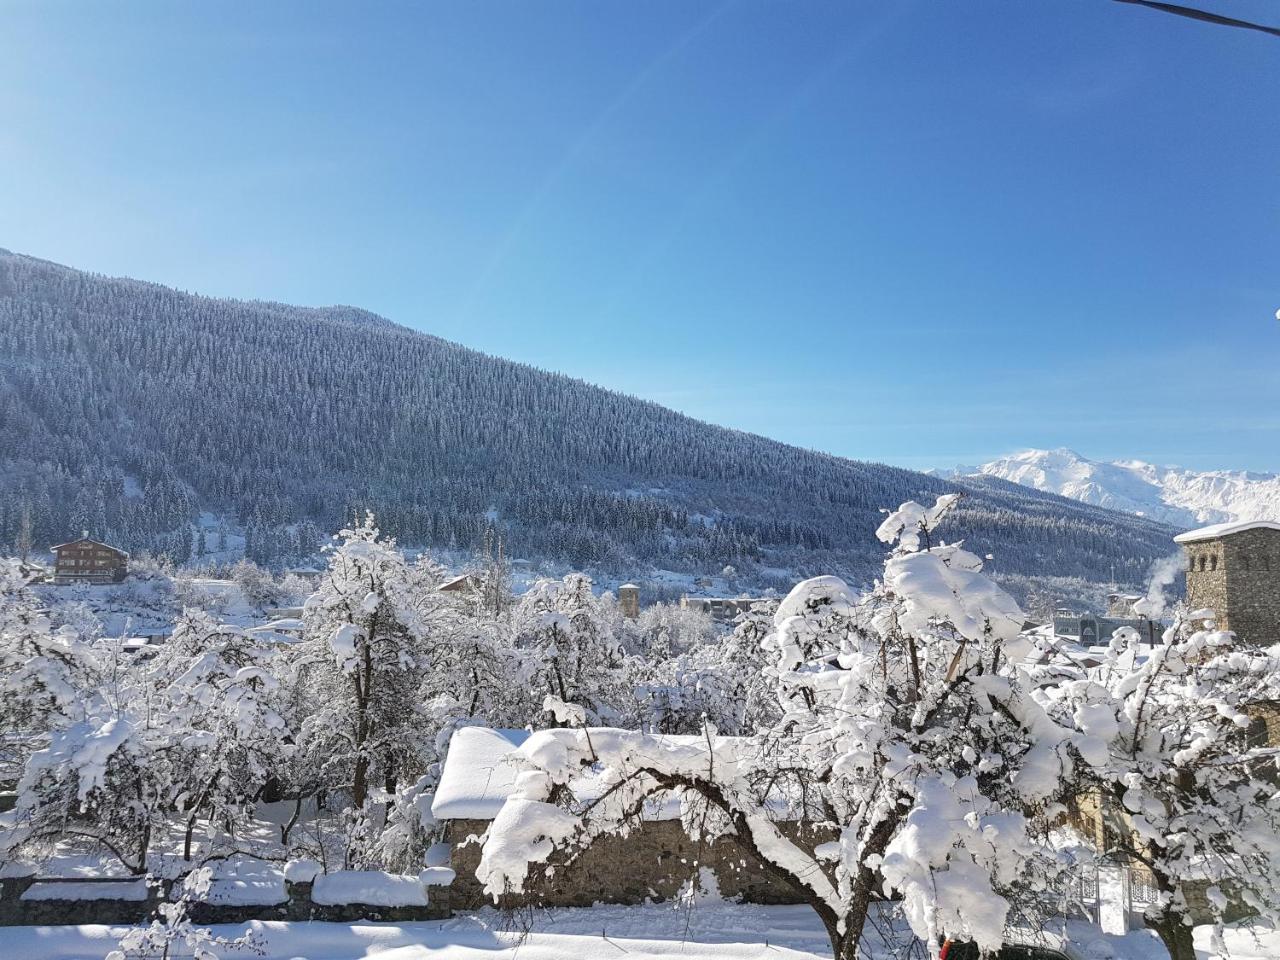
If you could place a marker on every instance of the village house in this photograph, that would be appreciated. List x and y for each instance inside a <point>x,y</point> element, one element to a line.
<point>463,583</point>
<point>721,608</point>
<point>88,561</point>
<point>1094,633</point>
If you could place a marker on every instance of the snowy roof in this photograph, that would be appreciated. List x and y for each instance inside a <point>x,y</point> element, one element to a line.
<point>1224,530</point>
<point>461,581</point>
<point>477,777</point>
<point>97,543</point>
<point>267,635</point>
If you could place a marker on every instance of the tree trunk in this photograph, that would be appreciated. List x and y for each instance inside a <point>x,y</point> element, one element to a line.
<point>364,700</point>
<point>1175,935</point>
<point>360,782</point>
<point>285,828</point>
<point>844,946</point>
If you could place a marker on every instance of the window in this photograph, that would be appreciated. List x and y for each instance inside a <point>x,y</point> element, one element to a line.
<point>1213,561</point>
<point>1202,564</point>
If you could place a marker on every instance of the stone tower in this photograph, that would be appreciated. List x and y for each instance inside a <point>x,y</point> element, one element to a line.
<point>1234,569</point>
<point>629,600</point>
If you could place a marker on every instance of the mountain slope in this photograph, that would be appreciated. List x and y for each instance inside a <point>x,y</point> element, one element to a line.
<point>132,406</point>
<point>1173,495</point>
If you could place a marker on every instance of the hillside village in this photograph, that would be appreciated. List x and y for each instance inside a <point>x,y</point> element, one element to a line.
<point>674,678</point>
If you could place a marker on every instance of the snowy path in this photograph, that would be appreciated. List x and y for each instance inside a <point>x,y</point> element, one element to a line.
<point>714,931</point>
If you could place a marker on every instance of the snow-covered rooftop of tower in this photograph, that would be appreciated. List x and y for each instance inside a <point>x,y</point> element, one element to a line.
<point>1225,529</point>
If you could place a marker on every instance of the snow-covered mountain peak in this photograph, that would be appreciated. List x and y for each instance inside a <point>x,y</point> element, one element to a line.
<point>1173,495</point>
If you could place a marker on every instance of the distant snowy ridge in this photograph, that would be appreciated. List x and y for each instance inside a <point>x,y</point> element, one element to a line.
<point>1172,495</point>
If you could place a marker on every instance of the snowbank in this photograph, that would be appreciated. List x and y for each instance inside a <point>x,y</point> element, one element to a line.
<point>132,890</point>
<point>368,887</point>
<point>722,931</point>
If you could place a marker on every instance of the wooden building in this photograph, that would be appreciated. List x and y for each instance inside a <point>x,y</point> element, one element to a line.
<point>465,583</point>
<point>88,561</point>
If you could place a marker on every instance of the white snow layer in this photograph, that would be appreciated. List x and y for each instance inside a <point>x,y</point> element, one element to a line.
<point>370,887</point>
<point>132,890</point>
<point>711,931</point>
<point>1223,529</point>
<point>477,777</point>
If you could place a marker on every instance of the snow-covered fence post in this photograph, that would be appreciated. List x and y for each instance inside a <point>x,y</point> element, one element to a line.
<point>299,880</point>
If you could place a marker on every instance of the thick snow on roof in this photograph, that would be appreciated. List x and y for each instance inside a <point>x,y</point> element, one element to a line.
<point>97,543</point>
<point>460,581</point>
<point>478,776</point>
<point>1225,529</point>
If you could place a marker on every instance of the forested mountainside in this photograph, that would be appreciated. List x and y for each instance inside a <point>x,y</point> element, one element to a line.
<point>128,407</point>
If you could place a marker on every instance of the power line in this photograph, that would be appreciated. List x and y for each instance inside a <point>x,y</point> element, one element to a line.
<point>1204,15</point>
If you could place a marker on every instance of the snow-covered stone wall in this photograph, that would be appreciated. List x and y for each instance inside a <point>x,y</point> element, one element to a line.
<point>653,862</point>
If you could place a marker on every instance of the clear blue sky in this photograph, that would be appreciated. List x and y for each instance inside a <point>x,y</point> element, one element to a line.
<point>917,232</point>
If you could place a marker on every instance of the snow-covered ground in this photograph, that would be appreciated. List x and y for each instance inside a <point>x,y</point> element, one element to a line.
<point>1174,495</point>
<point>716,930</point>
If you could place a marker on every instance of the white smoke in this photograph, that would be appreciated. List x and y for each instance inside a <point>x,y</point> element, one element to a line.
<point>1163,573</point>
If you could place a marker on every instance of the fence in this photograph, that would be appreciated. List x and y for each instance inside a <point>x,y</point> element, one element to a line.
<point>53,901</point>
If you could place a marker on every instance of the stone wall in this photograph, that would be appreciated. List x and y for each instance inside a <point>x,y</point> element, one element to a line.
<point>651,863</point>
<point>1266,718</point>
<point>1240,582</point>
<point>15,911</point>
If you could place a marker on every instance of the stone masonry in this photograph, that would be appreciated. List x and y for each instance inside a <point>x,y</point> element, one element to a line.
<point>651,863</point>
<point>1238,576</point>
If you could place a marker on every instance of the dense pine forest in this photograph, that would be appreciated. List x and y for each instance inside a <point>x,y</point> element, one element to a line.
<point>129,407</point>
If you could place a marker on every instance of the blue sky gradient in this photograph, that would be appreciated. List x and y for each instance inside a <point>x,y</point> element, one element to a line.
<point>915,232</point>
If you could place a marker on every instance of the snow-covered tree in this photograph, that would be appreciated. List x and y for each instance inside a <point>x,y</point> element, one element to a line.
<point>740,688</point>
<point>359,672</point>
<point>1177,758</point>
<point>46,675</point>
<point>575,655</point>
<point>409,830</point>
<point>908,761</point>
<point>191,735</point>
<point>108,780</point>
<point>215,689</point>
<point>258,585</point>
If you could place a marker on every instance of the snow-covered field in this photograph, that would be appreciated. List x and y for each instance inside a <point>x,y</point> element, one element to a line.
<point>722,931</point>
